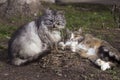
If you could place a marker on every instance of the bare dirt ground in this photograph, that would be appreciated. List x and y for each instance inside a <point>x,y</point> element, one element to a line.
<point>60,66</point>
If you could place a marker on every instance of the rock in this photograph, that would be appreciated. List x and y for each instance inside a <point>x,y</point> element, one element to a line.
<point>90,1</point>
<point>48,1</point>
<point>23,7</point>
<point>2,1</point>
<point>3,5</point>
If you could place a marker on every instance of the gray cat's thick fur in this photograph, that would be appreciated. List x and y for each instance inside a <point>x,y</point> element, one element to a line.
<point>32,39</point>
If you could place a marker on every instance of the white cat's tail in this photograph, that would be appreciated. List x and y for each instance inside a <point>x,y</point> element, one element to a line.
<point>109,52</point>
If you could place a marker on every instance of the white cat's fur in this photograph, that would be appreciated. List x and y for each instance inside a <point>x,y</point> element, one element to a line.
<point>90,52</point>
<point>75,46</point>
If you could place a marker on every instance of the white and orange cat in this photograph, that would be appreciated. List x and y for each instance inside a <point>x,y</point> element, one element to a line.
<point>96,50</point>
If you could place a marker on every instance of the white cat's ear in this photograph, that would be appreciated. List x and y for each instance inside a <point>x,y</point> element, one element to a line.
<point>47,11</point>
<point>72,36</point>
<point>68,31</point>
<point>80,30</point>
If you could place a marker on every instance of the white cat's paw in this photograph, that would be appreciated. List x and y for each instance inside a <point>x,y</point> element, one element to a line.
<point>105,66</point>
<point>74,46</point>
<point>61,45</point>
<point>102,64</point>
<point>73,50</point>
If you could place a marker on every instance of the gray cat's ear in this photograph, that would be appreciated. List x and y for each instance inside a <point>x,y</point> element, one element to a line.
<point>47,11</point>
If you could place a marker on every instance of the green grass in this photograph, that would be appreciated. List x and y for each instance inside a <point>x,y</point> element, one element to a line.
<point>9,26</point>
<point>95,17</point>
<point>89,17</point>
<point>6,30</point>
<point>92,19</point>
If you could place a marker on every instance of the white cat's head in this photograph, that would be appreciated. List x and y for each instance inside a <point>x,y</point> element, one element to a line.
<point>76,35</point>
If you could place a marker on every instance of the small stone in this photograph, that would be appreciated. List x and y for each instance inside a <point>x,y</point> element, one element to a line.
<point>6,74</point>
<point>38,76</point>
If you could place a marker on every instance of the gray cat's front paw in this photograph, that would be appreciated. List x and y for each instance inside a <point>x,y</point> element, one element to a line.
<point>18,62</point>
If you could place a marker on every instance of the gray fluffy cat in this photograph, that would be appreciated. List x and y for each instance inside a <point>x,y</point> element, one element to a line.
<point>32,39</point>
